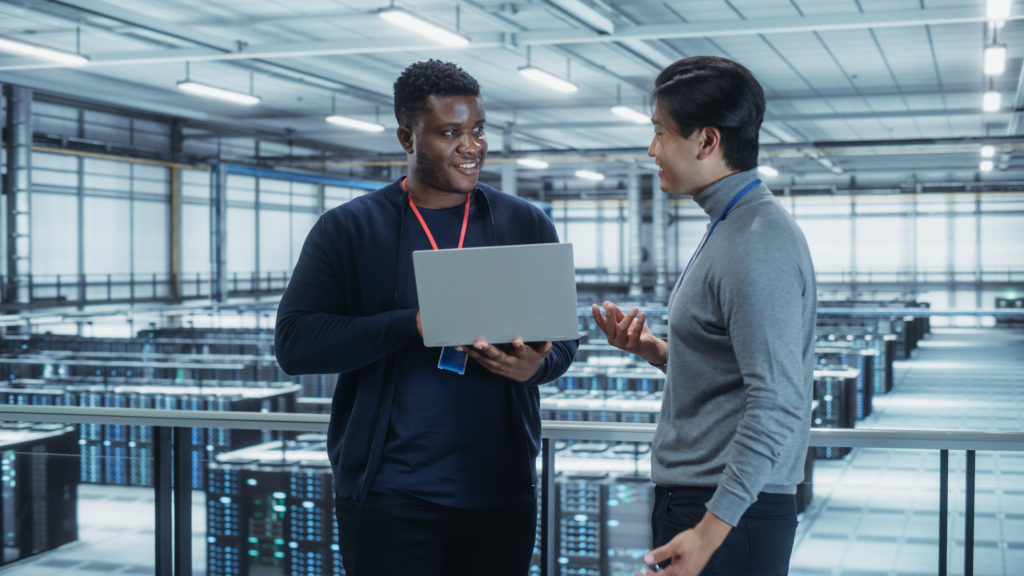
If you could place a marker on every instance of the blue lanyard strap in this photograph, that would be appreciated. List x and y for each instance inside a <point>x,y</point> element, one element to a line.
<point>707,234</point>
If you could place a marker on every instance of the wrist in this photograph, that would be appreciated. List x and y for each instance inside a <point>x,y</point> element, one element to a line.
<point>712,529</point>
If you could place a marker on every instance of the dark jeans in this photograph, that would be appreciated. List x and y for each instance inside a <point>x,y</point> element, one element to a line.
<point>395,535</point>
<point>760,545</point>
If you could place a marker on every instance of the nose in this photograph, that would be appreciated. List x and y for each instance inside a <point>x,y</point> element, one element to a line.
<point>650,149</point>
<point>470,144</point>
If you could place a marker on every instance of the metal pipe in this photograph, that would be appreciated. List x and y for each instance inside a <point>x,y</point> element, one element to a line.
<point>943,511</point>
<point>659,213</point>
<point>969,516</point>
<point>17,188</point>
<point>633,218</point>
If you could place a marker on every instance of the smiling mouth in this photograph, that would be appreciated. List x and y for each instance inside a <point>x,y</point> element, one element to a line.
<point>467,166</point>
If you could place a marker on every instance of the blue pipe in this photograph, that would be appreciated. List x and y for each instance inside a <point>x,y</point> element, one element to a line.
<point>295,177</point>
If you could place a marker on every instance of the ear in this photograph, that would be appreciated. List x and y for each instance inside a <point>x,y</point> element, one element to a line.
<point>710,142</point>
<point>405,138</point>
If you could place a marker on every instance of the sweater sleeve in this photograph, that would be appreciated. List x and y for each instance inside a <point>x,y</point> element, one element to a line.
<point>314,334</point>
<point>762,294</point>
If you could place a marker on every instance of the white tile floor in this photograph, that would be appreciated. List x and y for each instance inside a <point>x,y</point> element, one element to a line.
<point>874,513</point>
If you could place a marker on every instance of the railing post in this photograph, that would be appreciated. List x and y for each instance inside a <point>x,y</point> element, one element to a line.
<point>943,509</point>
<point>969,517</point>
<point>162,499</point>
<point>548,513</point>
<point>182,502</point>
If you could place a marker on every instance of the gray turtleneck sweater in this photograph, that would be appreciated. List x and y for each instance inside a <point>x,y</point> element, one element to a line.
<point>737,408</point>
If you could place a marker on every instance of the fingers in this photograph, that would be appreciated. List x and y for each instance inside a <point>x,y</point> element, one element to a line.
<point>658,555</point>
<point>636,328</point>
<point>598,317</point>
<point>611,328</point>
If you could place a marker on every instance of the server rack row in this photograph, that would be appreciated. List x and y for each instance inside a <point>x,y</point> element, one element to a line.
<point>122,455</point>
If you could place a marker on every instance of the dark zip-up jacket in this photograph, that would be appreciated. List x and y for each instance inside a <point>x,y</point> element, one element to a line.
<point>339,314</point>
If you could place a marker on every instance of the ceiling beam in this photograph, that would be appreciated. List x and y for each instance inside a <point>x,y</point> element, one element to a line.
<point>781,25</point>
<point>709,29</point>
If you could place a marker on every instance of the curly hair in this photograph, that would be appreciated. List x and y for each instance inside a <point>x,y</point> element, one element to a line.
<point>425,79</point>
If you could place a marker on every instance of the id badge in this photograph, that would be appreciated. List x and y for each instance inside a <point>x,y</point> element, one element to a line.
<point>452,360</point>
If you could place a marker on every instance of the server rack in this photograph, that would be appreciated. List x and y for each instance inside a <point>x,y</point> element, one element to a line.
<point>270,512</point>
<point>835,390</point>
<point>861,359</point>
<point>39,489</point>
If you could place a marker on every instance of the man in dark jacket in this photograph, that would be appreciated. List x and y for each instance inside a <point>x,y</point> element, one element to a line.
<point>434,472</point>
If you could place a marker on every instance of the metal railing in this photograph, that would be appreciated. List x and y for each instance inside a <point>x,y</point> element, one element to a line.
<point>171,434</point>
<point>81,289</point>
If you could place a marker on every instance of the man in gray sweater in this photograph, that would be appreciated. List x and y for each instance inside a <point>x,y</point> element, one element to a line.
<point>735,421</point>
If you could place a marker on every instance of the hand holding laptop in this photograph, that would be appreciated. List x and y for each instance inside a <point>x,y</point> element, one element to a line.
<point>519,364</point>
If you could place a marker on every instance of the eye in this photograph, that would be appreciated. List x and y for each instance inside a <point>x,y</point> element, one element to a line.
<point>478,130</point>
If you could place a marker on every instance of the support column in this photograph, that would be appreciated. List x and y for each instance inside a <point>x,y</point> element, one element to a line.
<point>218,233</point>
<point>659,213</point>
<point>16,187</point>
<point>634,213</point>
<point>174,277</point>
<point>508,169</point>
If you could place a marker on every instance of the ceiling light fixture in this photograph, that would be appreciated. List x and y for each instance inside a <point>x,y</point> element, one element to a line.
<point>33,51</point>
<point>995,59</point>
<point>207,91</point>
<point>589,175</point>
<point>346,122</point>
<point>417,25</point>
<point>547,79</point>
<point>988,151</point>
<point>998,10</point>
<point>631,114</point>
<point>991,101</point>
<point>766,170</point>
<point>534,163</point>
<point>986,166</point>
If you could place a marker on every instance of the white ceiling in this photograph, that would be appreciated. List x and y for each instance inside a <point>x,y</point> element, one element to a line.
<point>886,90</point>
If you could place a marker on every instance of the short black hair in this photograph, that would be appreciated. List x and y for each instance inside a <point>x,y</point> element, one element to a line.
<point>705,91</point>
<point>425,79</point>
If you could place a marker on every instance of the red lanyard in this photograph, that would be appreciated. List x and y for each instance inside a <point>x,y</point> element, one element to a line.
<point>465,219</point>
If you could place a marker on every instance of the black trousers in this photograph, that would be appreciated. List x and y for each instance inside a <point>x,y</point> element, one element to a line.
<point>396,535</point>
<point>759,545</point>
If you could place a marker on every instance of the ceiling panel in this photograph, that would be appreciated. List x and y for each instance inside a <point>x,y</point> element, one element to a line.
<point>828,72</point>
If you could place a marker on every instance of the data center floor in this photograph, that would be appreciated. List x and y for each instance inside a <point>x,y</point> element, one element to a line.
<point>874,513</point>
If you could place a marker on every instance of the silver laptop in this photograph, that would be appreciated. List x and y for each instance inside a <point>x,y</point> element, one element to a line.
<point>497,293</point>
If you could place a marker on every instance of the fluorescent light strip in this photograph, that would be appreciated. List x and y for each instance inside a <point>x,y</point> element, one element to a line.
<point>347,122</point>
<point>588,175</point>
<point>991,101</point>
<point>208,91</point>
<point>547,79</point>
<point>535,163</point>
<point>988,151</point>
<point>31,50</point>
<point>986,166</point>
<point>998,9</point>
<point>417,25</point>
<point>631,114</point>
<point>766,170</point>
<point>995,59</point>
